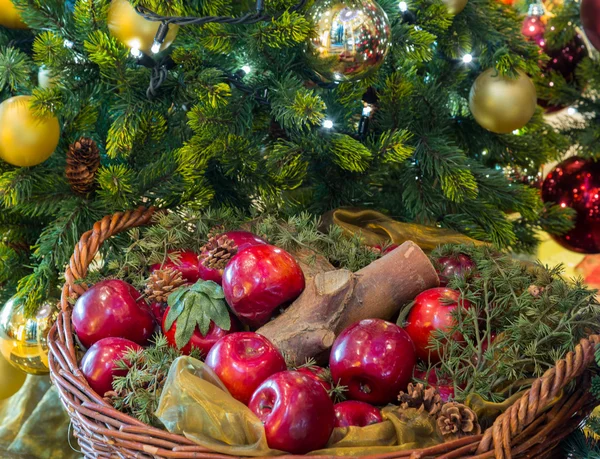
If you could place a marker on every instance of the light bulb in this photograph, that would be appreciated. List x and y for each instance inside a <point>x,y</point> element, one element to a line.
<point>367,110</point>
<point>68,44</point>
<point>247,69</point>
<point>328,124</point>
<point>403,6</point>
<point>467,58</point>
<point>155,47</point>
<point>135,52</point>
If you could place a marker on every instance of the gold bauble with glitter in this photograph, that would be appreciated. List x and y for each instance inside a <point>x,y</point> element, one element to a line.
<point>455,6</point>
<point>500,104</point>
<point>23,341</point>
<point>10,16</point>
<point>351,40</point>
<point>11,379</point>
<point>131,29</point>
<point>25,139</point>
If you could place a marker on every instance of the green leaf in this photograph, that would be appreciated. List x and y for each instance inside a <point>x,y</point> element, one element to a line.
<point>196,306</point>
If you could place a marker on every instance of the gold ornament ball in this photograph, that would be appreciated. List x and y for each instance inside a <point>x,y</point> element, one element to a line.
<point>11,379</point>
<point>10,16</point>
<point>351,40</point>
<point>455,6</point>
<point>131,29</point>
<point>26,140</point>
<point>24,341</point>
<point>500,104</point>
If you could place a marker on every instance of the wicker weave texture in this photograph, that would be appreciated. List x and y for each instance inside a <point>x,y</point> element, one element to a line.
<point>529,429</point>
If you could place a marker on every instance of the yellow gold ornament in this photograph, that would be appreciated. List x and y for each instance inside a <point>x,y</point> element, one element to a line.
<point>131,29</point>
<point>26,140</point>
<point>11,379</point>
<point>351,40</point>
<point>10,16</point>
<point>500,104</point>
<point>455,6</point>
<point>23,341</point>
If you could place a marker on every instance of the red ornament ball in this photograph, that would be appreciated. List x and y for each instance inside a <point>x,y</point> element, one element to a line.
<point>590,19</point>
<point>575,183</point>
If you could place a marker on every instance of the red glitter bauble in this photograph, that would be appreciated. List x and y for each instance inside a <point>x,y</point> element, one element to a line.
<point>575,183</point>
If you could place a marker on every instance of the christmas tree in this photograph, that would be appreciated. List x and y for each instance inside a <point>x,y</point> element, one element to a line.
<point>273,106</point>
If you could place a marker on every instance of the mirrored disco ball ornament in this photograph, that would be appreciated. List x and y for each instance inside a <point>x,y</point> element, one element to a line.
<point>351,40</point>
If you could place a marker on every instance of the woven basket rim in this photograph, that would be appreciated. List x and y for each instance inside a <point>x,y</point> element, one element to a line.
<point>105,432</point>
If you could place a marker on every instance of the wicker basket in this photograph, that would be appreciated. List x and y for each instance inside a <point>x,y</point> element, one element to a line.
<point>527,430</point>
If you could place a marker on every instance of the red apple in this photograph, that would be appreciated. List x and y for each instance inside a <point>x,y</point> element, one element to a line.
<point>354,413</point>
<point>112,308</point>
<point>319,374</point>
<point>158,311</point>
<point>296,411</point>
<point>203,343</point>
<point>241,239</point>
<point>374,359</point>
<point>187,264</point>
<point>432,310</point>
<point>458,265</point>
<point>99,362</point>
<point>444,386</point>
<point>259,280</point>
<point>243,361</point>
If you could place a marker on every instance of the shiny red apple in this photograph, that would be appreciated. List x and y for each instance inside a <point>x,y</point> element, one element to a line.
<point>355,413</point>
<point>296,411</point>
<point>187,264</point>
<point>203,343</point>
<point>112,309</point>
<point>319,374</point>
<point>432,310</point>
<point>260,280</point>
<point>241,239</point>
<point>444,386</point>
<point>458,265</point>
<point>99,362</point>
<point>374,359</point>
<point>243,361</point>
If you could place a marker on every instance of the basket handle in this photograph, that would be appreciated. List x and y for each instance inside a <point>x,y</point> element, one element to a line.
<point>91,241</point>
<point>496,441</point>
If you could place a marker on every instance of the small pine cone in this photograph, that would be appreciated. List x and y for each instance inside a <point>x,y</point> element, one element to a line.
<point>456,420</point>
<point>162,283</point>
<point>215,231</point>
<point>83,161</point>
<point>416,396</point>
<point>217,252</point>
<point>535,291</point>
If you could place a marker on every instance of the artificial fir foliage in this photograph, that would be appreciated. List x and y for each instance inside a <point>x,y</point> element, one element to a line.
<point>209,135</point>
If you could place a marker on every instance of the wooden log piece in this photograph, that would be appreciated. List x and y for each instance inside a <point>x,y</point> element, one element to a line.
<point>334,300</point>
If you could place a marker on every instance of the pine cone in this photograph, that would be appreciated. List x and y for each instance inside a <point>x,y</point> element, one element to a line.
<point>417,396</point>
<point>218,251</point>
<point>456,420</point>
<point>162,283</point>
<point>83,161</point>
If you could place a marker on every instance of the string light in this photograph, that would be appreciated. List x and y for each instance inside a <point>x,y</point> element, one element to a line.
<point>247,69</point>
<point>68,43</point>
<point>135,52</point>
<point>328,124</point>
<point>467,58</point>
<point>571,110</point>
<point>403,6</point>
<point>367,110</point>
<point>161,34</point>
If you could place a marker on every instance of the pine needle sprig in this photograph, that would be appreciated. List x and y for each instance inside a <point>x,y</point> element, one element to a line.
<point>138,392</point>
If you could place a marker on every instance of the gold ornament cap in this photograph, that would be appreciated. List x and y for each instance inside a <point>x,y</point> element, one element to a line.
<point>24,341</point>
<point>500,104</point>
<point>455,6</point>
<point>351,39</point>
<point>25,139</point>
<point>135,32</point>
<point>10,16</point>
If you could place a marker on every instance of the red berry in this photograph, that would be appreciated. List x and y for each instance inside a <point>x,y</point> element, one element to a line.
<point>259,280</point>
<point>374,359</point>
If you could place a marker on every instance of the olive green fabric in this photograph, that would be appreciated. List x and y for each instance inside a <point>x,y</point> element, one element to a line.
<point>196,404</point>
<point>34,424</point>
